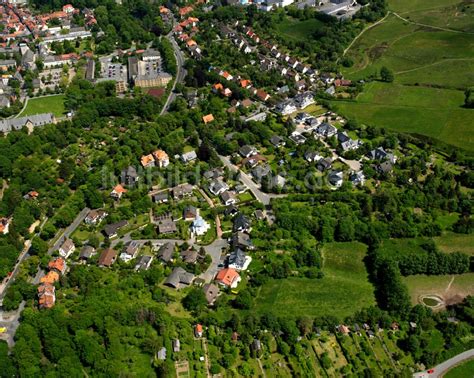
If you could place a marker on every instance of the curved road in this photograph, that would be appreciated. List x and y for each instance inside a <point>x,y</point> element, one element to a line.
<point>442,368</point>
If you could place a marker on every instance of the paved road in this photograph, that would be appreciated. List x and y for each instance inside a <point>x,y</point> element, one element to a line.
<point>180,72</point>
<point>10,320</point>
<point>264,198</point>
<point>69,230</point>
<point>215,251</point>
<point>442,368</point>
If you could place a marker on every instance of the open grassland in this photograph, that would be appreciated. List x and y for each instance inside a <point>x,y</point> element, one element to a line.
<point>463,370</point>
<point>451,288</point>
<point>451,242</point>
<point>429,46</point>
<point>296,29</point>
<point>433,112</point>
<point>343,290</point>
<point>48,104</point>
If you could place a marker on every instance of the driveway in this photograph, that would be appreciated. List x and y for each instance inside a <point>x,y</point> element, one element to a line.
<point>11,321</point>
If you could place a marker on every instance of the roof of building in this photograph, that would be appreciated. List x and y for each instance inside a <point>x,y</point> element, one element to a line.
<point>179,276</point>
<point>227,276</point>
<point>208,118</point>
<point>166,252</point>
<point>211,292</point>
<point>107,257</point>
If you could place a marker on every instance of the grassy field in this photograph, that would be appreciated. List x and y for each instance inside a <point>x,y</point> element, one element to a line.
<point>434,112</point>
<point>342,291</point>
<point>451,242</point>
<point>49,104</point>
<point>297,30</point>
<point>452,288</point>
<point>464,370</point>
<point>432,66</point>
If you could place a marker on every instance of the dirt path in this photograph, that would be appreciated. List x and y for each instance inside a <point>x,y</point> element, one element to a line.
<point>428,26</point>
<point>261,368</point>
<point>362,32</point>
<point>433,64</point>
<point>449,285</point>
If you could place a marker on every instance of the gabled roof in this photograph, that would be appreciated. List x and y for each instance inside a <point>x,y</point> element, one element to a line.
<point>208,118</point>
<point>227,276</point>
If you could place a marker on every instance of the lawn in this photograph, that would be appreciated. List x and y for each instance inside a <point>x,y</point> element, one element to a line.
<point>461,371</point>
<point>433,112</point>
<point>49,104</point>
<point>297,30</point>
<point>452,288</point>
<point>343,290</point>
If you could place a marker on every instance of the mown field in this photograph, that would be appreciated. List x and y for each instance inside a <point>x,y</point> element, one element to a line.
<point>48,104</point>
<point>343,290</point>
<point>432,64</point>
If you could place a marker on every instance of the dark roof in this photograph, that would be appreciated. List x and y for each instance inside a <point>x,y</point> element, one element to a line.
<point>211,292</point>
<point>237,257</point>
<point>112,229</point>
<point>189,256</point>
<point>166,251</point>
<point>86,252</point>
<point>179,276</point>
<point>241,222</point>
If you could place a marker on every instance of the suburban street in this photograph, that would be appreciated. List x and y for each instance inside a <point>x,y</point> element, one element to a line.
<point>442,368</point>
<point>264,198</point>
<point>180,72</point>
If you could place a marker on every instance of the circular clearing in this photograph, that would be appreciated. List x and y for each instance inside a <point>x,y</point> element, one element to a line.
<point>432,301</point>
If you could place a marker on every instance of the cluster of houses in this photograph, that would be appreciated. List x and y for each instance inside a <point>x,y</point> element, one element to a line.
<point>46,288</point>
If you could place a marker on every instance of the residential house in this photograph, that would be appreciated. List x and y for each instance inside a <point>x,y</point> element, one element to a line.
<point>262,95</point>
<point>86,253</point>
<point>324,164</point>
<point>179,278</point>
<point>166,252</point>
<point>231,210</point>
<point>277,141</point>
<point>211,292</point>
<point>302,100</point>
<point>335,178</point>
<point>380,154</point>
<point>130,251</point>
<point>198,330</point>
<point>147,161</point>
<point>58,265</point>
<point>357,178</point>
<point>111,230</point>
<point>256,346</point>
<point>242,223</point>
<point>50,278</point>
<point>161,354</point>
<point>312,156</point>
<point>301,117</point>
<point>162,159</point>
<point>297,137</point>
<point>167,226</point>
<point>228,277</point>
<point>176,344</point>
<point>189,156</point>
<point>216,187</point>
<point>286,107</point>
<point>238,260</point>
<point>117,192</point>
<point>228,198</point>
<point>214,173</point>
<point>46,295</point>
<point>208,118</point>
<point>107,258</point>
<point>189,256</point>
<point>67,248</point>
<point>190,213</point>
<point>182,191</point>
<point>161,197</point>
<point>385,167</point>
<point>242,240</point>
<point>247,151</point>
<point>94,217</point>
<point>4,226</point>
<point>326,130</point>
